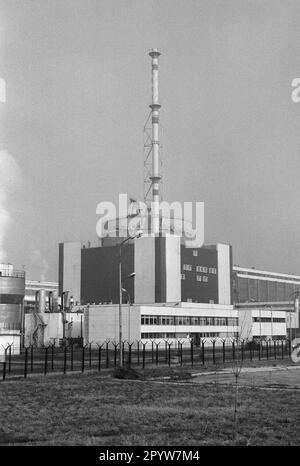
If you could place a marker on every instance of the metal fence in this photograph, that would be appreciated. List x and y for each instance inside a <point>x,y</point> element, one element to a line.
<point>101,356</point>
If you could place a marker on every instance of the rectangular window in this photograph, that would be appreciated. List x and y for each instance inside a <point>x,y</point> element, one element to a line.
<point>189,300</point>
<point>205,278</point>
<point>183,276</point>
<point>195,253</point>
<point>187,267</point>
<point>198,278</point>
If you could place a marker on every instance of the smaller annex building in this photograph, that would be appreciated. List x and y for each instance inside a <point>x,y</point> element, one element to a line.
<point>171,321</point>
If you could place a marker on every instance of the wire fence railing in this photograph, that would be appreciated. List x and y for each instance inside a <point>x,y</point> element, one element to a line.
<point>141,354</point>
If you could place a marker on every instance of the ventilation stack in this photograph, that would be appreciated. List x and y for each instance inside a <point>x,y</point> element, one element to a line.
<point>155,177</point>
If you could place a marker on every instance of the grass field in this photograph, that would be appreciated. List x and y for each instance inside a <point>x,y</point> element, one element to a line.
<point>96,410</point>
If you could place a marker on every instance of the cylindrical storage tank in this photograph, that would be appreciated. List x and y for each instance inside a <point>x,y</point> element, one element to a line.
<point>12,291</point>
<point>53,301</point>
<point>66,300</point>
<point>40,301</point>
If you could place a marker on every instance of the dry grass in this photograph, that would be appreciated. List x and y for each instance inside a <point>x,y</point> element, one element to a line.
<point>90,410</point>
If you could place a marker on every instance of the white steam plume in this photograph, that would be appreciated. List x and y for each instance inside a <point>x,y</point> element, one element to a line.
<point>10,177</point>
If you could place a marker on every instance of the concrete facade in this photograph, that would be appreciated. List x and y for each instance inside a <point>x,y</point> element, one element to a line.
<point>159,322</point>
<point>224,273</point>
<point>144,267</point>
<point>101,323</point>
<point>264,321</point>
<point>53,327</point>
<point>250,284</point>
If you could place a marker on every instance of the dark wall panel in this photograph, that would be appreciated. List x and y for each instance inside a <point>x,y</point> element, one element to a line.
<point>100,277</point>
<point>201,292</point>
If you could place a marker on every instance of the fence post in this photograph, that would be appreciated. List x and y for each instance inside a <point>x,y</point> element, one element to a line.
<point>31,358</point>
<point>259,347</point>
<point>25,362</point>
<point>72,355</point>
<point>9,359</point>
<point>65,358</point>
<point>192,351</point>
<point>138,352</point>
<point>106,356</point>
<point>99,356</point>
<point>90,355</point>
<point>178,351</point>
<point>4,370</point>
<point>123,355</point>
<point>52,357</point>
<point>152,351</point>
<point>282,351</point>
<point>82,358</point>
<point>129,353</point>
<point>214,354</point>
<point>115,353</point>
<point>275,355</point>
<point>166,351</point>
<point>223,349</point>
<point>169,354</point>
<point>267,350</point>
<point>203,352</point>
<point>46,360</point>
<point>156,352</point>
<point>144,344</point>
<point>233,351</point>
<point>242,349</point>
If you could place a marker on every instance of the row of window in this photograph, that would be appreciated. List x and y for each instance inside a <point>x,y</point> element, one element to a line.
<point>188,320</point>
<point>268,319</point>
<point>191,300</point>
<point>181,335</point>
<point>199,268</point>
<point>199,278</point>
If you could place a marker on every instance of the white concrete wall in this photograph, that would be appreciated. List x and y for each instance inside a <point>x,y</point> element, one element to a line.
<point>75,325</point>
<point>250,329</point>
<point>101,322</point>
<point>173,269</point>
<point>246,324</point>
<point>224,284</point>
<point>53,331</point>
<point>144,267</point>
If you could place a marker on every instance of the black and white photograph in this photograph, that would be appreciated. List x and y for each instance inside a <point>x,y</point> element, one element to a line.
<point>149,230</point>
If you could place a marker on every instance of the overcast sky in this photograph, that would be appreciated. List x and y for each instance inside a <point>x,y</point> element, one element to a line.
<point>78,89</point>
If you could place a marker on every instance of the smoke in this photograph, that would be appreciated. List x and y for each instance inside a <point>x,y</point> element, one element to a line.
<point>10,178</point>
<point>39,263</point>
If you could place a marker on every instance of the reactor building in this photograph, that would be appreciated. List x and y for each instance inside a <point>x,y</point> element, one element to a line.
<point>171,288</point>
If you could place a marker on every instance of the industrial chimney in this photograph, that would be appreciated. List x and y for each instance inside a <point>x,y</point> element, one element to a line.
<point>155,177</point>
